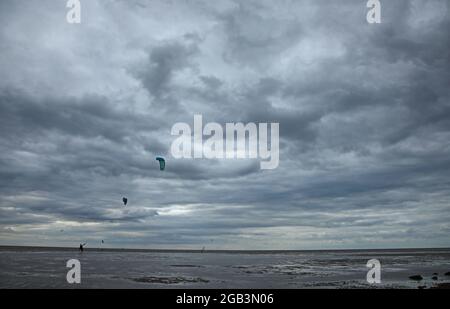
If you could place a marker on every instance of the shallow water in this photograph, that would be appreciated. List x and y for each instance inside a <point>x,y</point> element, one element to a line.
<point>46,268</point>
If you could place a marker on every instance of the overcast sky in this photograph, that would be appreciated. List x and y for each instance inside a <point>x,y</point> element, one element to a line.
<point>364,114</point>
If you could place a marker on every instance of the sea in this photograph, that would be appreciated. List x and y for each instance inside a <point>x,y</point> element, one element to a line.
<point>34,267</point>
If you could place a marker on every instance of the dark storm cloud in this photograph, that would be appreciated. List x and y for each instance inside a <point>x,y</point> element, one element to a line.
<point>164,61</point>
<point>364,114</point>
<point>88,117</point>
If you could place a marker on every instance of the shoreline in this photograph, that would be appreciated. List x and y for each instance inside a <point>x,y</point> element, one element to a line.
<point>239,251</point>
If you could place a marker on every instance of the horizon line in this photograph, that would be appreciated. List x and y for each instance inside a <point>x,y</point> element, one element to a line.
<point>2,247</point>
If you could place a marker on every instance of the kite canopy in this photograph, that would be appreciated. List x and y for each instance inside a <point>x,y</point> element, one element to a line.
<point>162,163</point>
<point>125,201</point>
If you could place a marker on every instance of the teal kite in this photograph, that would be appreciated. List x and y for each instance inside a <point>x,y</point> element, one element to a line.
<point>162,163</point>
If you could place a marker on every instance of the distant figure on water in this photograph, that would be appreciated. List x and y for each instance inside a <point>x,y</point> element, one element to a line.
<point>125,201</point>
<point>82,247</point>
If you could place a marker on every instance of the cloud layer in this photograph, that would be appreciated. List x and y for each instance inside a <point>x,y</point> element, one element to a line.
<point>364,114</point>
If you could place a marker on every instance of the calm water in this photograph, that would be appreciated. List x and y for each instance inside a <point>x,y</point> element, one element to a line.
<point>46,268</point>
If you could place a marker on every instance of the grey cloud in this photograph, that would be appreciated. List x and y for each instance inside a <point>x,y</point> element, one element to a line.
<point>363,111</point>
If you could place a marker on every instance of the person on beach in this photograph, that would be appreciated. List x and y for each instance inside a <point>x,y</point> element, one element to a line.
<point>82,247</point>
